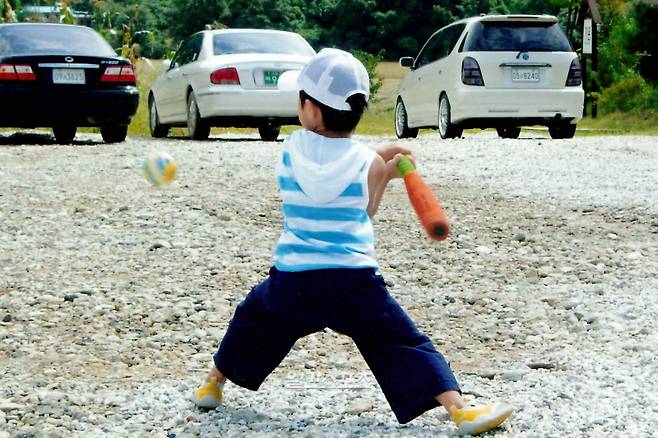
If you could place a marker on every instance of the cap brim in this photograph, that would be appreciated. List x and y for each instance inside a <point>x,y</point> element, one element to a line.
<point>289,81</point>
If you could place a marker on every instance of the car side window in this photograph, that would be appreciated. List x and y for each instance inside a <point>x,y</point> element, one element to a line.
<point>454,36</point>
<point>428,52</point>
<point>188,52</point>
<point>177,61</point>
<point>195,47</point>
<point>440,45</point>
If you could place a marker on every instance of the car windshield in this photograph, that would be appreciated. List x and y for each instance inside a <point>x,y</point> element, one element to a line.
<point>261,42</point>
<point>517,37</point>
<point>39,39</point>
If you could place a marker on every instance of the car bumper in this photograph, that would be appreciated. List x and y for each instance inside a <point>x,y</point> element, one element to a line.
<point>530,105</point>
<point>27,108</point>
<point>229,102</point>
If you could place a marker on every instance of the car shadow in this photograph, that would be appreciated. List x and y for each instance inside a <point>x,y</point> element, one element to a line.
<point>224,139</point>
<point>39,139</point>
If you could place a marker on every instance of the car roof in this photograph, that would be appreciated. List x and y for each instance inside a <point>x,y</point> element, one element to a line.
<point>42,24</point>
<point>511,17</point>
<point>247,30</point>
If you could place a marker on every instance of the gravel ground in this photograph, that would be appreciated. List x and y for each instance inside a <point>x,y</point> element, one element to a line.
<point>114,294</point>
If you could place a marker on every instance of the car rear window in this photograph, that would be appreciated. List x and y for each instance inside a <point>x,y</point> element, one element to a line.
<point>261,42</point>
<point>39,39</point>
<point>517,37</point>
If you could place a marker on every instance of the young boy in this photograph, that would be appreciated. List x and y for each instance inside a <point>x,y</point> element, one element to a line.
<point>325,273</point>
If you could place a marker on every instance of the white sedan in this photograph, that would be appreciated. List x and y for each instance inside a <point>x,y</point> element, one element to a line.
<point>497,71</point>
<point>228,78</point>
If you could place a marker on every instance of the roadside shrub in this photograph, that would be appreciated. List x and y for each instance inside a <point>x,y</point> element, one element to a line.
<point>632,93</point>
<point>370,62</point>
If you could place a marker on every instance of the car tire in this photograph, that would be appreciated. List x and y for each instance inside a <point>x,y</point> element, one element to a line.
<point>197,128</point>
<point>508,131</point>
<point>447,129</point>
<point>402,129</point>
<point>562,130</point>
<point>157,129</point>
<point>269,132</point>
<point>64,134</point>
<point>114,133</point>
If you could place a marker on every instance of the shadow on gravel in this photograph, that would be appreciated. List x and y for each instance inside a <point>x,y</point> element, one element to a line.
<point>221,139</point>
<point>37,138</point>
<point>351,425</point>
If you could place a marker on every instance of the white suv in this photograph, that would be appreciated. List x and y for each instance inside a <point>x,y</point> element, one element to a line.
<point>495,71</point>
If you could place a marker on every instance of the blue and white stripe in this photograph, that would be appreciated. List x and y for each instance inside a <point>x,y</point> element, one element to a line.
<point>336,234</point>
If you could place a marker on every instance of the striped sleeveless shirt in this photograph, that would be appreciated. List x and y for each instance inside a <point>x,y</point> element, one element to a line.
<point>324,188</point>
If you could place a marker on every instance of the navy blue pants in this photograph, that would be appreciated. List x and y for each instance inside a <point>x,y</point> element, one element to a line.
<point>289,305</point>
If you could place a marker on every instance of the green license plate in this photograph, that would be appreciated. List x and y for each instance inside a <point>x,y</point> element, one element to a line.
<point>271,77</point>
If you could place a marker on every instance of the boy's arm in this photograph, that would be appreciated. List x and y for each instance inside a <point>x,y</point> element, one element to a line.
<point>382,170</point>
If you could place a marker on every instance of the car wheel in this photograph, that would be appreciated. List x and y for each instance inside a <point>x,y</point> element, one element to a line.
<point>197,128</point>
<point>64,134</point>
<point>402,129</point>
<point>269,132</point>
<point>158,130</point>
<point>447,129</point>
<point>114,133</point>
<point>508,131</point>
<point>562,130</point>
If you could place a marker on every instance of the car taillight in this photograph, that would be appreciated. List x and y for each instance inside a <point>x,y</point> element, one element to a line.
<point>575,77</point>
<point>10,72</point>
<point>471,74</point>
<point>225,76</point>
<point>121,73</point>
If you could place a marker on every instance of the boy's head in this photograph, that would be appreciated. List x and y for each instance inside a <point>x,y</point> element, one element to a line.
<point>336,83</point>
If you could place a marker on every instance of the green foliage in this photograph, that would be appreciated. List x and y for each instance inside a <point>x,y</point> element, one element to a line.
<point>186,17</point>
<point>370,62</point>
<point>269,14</point>
<point>8,9</point>
<point>615,60</point>
<point>140,25</point>
<point>632,93</point>
<point>646,43</point>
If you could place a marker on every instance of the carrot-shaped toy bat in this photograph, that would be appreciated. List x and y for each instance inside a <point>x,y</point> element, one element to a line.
<point>427,206</point>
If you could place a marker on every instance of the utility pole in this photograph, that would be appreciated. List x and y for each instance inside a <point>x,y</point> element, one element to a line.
<point>590,23</point>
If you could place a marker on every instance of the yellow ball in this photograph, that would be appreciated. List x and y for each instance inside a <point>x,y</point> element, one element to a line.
<point>159,169</point>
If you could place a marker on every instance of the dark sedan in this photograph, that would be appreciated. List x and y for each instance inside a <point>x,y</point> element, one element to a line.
<point>64,77</point>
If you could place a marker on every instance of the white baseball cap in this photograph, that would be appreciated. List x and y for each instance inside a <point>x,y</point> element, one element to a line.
<point>330,77</point>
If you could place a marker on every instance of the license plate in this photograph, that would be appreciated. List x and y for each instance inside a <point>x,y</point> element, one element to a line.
<point>525,75</point>
<point>68,76</point>
<point>271,77</point>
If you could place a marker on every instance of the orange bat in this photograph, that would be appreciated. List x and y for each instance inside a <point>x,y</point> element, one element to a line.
<point>427,207</point>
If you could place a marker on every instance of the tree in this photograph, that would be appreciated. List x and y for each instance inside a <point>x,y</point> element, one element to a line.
<point>276,14</point>
<point>646,45</point>
<point>189,16</point>
<point>8,11</point>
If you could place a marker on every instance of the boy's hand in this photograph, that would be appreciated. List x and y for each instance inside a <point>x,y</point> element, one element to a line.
<point>391,154</point>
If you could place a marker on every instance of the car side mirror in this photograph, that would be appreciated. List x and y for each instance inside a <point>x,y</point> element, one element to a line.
<point>166,64</point>
<point>407,61</point>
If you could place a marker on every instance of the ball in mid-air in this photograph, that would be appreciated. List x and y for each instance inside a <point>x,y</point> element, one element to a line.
<point>159,169</point>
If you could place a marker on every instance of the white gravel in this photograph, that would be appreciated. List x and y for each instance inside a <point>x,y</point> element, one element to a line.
<point>114,294</point>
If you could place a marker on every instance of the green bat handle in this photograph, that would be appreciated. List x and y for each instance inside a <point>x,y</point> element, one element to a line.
<point>405,166</point>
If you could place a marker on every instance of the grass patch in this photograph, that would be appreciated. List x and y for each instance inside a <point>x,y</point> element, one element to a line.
<point>147,71</point>
<point>635,122</point>
<point>379,118</point>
